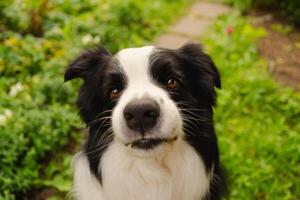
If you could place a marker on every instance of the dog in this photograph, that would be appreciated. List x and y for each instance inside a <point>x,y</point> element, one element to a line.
<point>149,113</point>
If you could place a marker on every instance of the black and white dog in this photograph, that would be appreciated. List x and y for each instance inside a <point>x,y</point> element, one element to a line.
<point>150,119</point>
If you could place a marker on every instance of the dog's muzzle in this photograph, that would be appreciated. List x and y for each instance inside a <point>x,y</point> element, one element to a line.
<point>141,116</point>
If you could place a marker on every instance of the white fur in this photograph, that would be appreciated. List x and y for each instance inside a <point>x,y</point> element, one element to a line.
<point>86,186</point>
<point>178,174</point>
<point>172,171</point>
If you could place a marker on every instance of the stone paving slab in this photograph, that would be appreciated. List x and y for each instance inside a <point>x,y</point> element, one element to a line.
<point>209,9</point>
<point>191,26</point>
<point>172,41</point>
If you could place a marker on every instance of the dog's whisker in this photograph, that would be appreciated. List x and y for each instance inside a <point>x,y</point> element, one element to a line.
<point>195,132</point>
<point>189,104</point>
<point>190,111</point>
<point>103,140</point>
<point>104,135</point>
<point>98,155</point>
<point>102,123</point>
<point>97,120</point>
<point>193,111</point>
<point>196,119</point>
<point>104,112</point>
<point>191,108</point>
<point>107,132</point>
<point>192,125</point>
<point>186,130</point>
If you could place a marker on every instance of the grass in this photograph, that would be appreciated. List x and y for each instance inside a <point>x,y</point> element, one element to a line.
<point>257,120</point>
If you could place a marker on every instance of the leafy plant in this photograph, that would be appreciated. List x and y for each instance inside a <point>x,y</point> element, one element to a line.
<point>290,9</point>
<point>256,118</point>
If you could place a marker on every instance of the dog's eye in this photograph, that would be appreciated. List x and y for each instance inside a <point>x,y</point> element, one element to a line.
<point>115,93</point>
<point>172,84</point>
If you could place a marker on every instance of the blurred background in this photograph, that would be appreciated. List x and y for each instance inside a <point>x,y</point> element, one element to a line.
<point>254,43</point>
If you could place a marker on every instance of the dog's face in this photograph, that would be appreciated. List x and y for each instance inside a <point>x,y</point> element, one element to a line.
<point>145,115</point>
<point>145,97</point>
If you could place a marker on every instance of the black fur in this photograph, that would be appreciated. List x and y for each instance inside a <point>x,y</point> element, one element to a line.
<point>195,96</point>
<point>99,72</point>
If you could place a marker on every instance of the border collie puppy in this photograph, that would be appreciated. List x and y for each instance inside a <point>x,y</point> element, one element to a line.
<point>150,119</point>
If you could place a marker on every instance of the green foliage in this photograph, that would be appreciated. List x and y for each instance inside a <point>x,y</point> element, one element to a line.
<point>244,5</point>
<point>60,173</point>
<point>288,8</point>
<point>4,4</point>
<point>256,119</point>
<point>279,28</point>
<point>35,113</point>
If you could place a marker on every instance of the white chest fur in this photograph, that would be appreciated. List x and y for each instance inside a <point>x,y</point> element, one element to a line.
<point>179,174</point>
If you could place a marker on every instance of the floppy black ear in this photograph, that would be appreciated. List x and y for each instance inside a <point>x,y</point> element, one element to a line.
<point>87,63</point>
<point>193,55</point>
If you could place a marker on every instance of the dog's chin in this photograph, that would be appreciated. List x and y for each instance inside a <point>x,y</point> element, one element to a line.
<point>150,143</point>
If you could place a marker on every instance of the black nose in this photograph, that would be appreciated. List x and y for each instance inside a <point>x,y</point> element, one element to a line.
<point>141,115</point>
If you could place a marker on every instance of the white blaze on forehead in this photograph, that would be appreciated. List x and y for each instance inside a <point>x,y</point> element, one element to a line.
<point>135,62</point>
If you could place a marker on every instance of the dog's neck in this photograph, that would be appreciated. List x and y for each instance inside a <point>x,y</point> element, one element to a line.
<point>172,172</point>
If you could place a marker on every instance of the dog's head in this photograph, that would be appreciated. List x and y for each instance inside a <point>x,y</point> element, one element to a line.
<point>145,97</point>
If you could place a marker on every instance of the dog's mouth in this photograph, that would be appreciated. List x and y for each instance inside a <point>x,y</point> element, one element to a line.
<point>149,143</point>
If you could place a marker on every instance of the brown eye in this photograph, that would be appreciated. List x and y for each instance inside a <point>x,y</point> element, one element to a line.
<point>114,94</point>
<point>172,84</point>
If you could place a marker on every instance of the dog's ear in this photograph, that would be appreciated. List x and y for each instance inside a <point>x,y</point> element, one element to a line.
<point>87,63</point>
<point>192,55</point>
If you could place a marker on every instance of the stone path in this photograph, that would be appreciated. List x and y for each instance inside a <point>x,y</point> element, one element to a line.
<point>192,26</point>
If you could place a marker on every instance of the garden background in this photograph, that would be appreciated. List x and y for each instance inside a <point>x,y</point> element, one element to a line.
<point>257,117</point>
